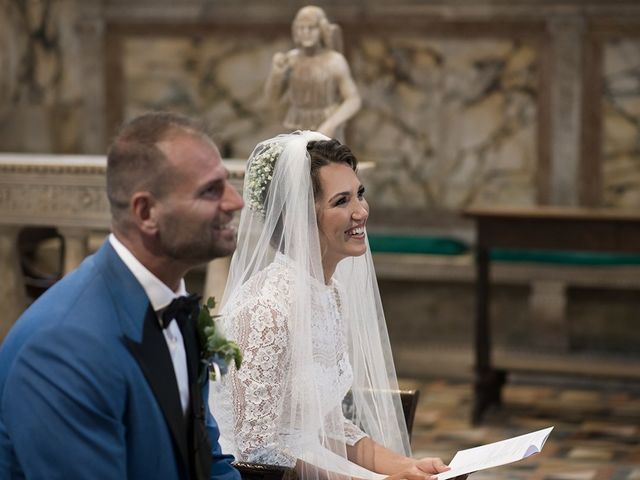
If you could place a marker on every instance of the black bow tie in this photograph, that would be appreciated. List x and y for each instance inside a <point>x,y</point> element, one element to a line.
<point>182,309</point>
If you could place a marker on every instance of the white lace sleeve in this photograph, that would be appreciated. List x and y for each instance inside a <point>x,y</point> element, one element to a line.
<point>346,429</point>
<point>352,433</point>
<point>263,336</point>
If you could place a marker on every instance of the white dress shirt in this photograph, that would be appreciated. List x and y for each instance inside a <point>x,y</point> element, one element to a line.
<point>160,296</point>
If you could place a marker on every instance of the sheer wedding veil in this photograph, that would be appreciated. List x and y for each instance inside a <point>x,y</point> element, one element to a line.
<point>278,224</point>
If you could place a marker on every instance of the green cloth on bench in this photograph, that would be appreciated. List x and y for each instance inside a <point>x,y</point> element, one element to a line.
<point>386,243</point>
<point>562,257</point>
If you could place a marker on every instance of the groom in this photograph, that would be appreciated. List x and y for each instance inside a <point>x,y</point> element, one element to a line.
<point>96,380</point>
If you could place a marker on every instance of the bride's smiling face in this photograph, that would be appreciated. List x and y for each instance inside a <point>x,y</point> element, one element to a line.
<point>342,213</point>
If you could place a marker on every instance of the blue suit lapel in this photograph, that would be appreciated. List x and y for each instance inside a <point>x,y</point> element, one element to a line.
<point>128,296</point>
<point>153,357</point>
<point>198,436</point>
<point>144,339</point>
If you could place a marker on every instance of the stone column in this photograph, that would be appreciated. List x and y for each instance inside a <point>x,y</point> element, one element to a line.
<point>90,31</point>
<point>216,279</point>
<point>76,241</point>
<point>13,297</point>
<point>567,33</point>
<point>547,309</point>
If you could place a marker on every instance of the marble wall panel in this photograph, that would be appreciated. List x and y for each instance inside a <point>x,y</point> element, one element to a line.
<point>621,122</point>
<point>9,54</point>
<point>449,122</point>
<point>39,80</point>
<point>217,78</point>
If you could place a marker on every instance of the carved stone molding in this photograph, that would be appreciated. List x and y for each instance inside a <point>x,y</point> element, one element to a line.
<point>52,169</point>
<point>67,192</point>
<point>53,190</point>
<point>258,10</point>
<point>54,205</point>
<point>63,191</point>
<point>13,299</point>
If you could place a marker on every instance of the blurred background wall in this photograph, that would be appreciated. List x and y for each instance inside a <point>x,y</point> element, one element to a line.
<point>492,102</point>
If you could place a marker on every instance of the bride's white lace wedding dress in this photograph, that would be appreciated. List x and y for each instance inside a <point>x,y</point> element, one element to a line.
<point>251,400</point>
<point>305,344</point>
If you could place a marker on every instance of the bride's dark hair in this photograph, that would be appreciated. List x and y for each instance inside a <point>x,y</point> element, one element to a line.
<point>324,152</point>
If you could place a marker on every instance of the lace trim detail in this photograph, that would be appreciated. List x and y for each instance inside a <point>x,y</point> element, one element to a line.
<point>259,390</point>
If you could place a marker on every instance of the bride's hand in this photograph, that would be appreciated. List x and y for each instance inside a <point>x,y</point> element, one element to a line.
<point>422,469</point>
<point>412,473</point>
<point>432,465</point>
<point>435,466</point>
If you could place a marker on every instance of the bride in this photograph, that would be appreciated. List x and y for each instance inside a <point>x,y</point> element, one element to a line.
<point>302,302</point>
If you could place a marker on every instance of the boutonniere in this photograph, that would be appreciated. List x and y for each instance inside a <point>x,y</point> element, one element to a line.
<point>216,351</point>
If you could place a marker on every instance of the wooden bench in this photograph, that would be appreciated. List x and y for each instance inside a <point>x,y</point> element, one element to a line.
<point>548,275</point>
<point>541,228</point>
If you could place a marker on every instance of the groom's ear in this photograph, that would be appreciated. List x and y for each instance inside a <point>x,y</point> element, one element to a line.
<point>144,208</point>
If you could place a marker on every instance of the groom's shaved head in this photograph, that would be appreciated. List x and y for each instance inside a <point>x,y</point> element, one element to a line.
<point>136,163</point>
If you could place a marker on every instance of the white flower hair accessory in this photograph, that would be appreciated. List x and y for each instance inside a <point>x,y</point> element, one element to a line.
<point>263,160</point>
<point>260,173</point>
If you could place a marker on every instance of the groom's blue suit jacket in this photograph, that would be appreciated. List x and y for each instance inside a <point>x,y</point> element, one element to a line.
<point>79,395</point>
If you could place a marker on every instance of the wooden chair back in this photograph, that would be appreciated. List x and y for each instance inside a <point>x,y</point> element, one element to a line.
<point>259,471</point>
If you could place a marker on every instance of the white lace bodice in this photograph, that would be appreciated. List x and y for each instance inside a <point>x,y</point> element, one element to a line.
<point>251,404</point>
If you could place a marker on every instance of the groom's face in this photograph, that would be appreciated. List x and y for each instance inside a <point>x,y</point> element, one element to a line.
<point>195,215</point>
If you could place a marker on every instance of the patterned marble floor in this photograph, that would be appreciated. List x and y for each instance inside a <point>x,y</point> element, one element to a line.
<point>596,434</point>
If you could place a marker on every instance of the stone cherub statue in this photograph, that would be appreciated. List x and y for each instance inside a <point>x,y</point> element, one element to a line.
<point>314,77</point>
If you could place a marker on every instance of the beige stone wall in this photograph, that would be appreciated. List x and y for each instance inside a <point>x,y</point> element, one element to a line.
<point>217,78</point>
<point>501,102</point>
<point>449,122</point>
<point>40,102</point>
<point>470,102</point>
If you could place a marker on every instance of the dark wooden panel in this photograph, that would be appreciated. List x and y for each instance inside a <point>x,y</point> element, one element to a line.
<point>546,228</point>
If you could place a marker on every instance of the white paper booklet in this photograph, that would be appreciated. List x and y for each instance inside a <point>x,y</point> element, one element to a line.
<point>495,454</point>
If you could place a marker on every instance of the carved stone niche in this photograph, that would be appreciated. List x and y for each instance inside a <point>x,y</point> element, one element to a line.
<point>67,192</point>
<point>61,191</point>
<point>45,190</point>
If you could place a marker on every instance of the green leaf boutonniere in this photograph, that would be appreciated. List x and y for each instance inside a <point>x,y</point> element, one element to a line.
<point>214,347</point>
